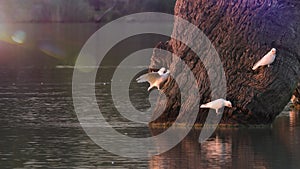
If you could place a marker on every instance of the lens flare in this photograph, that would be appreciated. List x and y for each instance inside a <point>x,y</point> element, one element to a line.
<point>4,35</point>
<point>19,37</point>
<point>52,50</point>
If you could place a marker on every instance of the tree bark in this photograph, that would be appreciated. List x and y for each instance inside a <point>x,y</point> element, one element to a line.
<point>297,91</point>
<point>241,31</point>
<point>296,97</point>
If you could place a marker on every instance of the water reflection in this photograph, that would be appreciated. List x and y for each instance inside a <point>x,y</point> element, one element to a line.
<point>39,129</point>
<point>275,147</point>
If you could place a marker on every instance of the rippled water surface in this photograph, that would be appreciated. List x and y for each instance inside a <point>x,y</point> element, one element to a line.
<point>39,129</point>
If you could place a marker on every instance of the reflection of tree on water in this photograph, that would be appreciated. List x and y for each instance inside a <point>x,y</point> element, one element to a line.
<point>212,154</point>
<point>293,119</point>
<point>237,148</point>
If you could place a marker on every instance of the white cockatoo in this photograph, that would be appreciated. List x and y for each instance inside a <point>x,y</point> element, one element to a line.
<point>217,105</point>
<point>154,78</point>
<point>266,60</point>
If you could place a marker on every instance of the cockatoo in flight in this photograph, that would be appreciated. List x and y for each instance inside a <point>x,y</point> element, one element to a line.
<point>217,105</point>
<point>155,79</point>
<point>266,60</point>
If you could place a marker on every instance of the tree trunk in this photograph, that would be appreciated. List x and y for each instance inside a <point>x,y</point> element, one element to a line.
<point>241,31</point>
<point>297,91</point>
<point>296,97</point>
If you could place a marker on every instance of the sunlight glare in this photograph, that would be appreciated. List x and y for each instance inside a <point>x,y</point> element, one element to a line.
<point>19,37</point>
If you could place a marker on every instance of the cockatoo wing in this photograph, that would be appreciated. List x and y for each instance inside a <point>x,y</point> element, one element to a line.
<point>154,78</point>
<point>216,104</point>
<point>148,77</point>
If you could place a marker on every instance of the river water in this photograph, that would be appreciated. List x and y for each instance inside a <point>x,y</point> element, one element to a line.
<point>39,127</point>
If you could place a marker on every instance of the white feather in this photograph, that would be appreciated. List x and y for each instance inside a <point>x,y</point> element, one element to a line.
<point>217,104</point>
<point>266,60</point>
<point>154,78</point>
